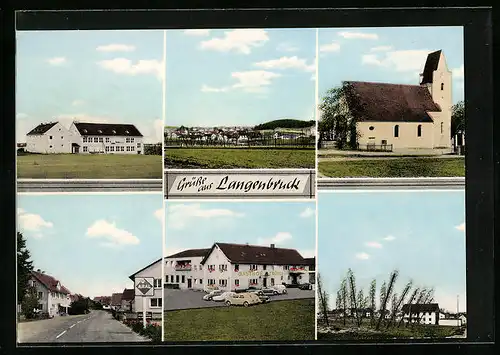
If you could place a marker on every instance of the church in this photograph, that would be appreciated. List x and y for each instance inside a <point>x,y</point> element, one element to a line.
<point>396,117</point>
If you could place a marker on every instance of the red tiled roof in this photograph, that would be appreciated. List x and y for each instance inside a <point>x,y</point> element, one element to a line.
<point>381,102</point>
<point>128,294</point>
<point>256,254</point>
<point>49,282</point>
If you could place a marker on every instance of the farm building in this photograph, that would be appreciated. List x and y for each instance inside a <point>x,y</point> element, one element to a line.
<point>397,117</point>
<point>105,138</point>
<point>424,313</point>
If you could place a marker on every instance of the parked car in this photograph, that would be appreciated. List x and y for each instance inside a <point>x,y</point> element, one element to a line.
<point>305,286</point>
<point>269,291</point>
<point>209,296</point>
<point>223,296</point>
<point>281,289</point>
<point>243,299</point>
<point>291,285</point>
<point>263,298</point>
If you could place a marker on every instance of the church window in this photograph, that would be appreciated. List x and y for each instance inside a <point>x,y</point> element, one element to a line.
<point>442,86</point>
<point>396,131</point>
<point>419,130</point>
<point>371,128</point>
<point>441,127</point>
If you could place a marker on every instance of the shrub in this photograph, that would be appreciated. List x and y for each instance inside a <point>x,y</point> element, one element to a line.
<point>152,330</point>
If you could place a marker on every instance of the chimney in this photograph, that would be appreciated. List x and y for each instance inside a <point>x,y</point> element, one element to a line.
<point>272,246</point>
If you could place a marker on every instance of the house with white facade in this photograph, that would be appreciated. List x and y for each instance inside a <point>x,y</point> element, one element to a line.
<point>83,137</point>
<point>154,304</point>
<point>427,313</point>
<point>53,297</point>
<point>235,267</point>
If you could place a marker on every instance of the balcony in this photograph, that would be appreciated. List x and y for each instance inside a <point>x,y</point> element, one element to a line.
<point>183,267</point>
<point>297,269</point>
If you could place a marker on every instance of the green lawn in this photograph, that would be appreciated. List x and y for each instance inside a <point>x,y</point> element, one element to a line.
<point>89,166</point>
<point>280,320</point>
<point>230,158</point>
<point>398,167</point>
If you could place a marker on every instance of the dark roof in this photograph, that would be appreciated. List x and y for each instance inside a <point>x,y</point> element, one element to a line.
<point>49,282</point>
<point>128,294</point>
<point>417,308</point>
<point>191,253</point>
<point>310,261</point>
<point>116,299</point>
<point>41,129</point>
<point>107,129</point>
<point>381,102</point>
<point>256,254</point>
<point>431,64</point>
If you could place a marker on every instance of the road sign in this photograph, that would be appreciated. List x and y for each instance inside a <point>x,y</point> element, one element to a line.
<point>144,286</point>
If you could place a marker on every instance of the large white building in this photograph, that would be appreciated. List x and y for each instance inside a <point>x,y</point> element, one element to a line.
<point>53,297</point>
<point>427,313</point>
<point>82,137</point>
<point>154,304</point>
<point>237,267</point>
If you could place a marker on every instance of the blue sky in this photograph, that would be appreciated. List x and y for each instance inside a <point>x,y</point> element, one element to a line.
<point>92,243</point>
<point>97,76</point>
<point>239,77</point>
<point>199,225</point>
<point>419,233</point>
<point>387,54</point>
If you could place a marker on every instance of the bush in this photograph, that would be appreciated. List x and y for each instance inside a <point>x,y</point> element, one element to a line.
<point>152,330</point>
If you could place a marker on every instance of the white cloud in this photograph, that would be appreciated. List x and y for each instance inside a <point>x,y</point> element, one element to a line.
<point>206,88</point>
<point>381,49</point>
<point>112,235</point>
<point>458,73</point>
<point>179,215</point>
<point>116,48</point>
<point>308,212</point>
<point>56,60</point>
<point>253,80</point>
<point>389,238</point>
<point>400,61</point>
<point>77,102</point>
<point>307,253</point>
<point>160,214</point>
<point>127,67</point>
<point>358,35</point>
<point>279,238</point>
<point>32,223</point>
<point>287,47</point>
<point>373,245</point>
<point>461,227</point>
<point>239,40</point>
<point>362,256</point>
<point>200,32</point>
<point>286,63</point>
<point>330,47</point>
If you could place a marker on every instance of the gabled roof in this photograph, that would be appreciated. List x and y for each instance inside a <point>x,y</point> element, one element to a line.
<point>116,299</point>
<point>381,102</point>
<point>49,282</point>
<point>191,253</point>
<point>41,129</point>
<point>431,64</point>
<point>107,129</point>
<point>128,294</point>
<point>256,254</point>
<point>310,261</point>
<point>420,307</point>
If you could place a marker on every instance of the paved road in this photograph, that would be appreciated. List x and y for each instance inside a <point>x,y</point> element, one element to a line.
<point>186,299</point>
<point>97,326</point>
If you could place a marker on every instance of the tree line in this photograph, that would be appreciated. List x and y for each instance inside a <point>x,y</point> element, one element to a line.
<point>353,304</point>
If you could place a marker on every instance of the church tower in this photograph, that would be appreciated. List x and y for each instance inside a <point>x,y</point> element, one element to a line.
<point>438,80</point>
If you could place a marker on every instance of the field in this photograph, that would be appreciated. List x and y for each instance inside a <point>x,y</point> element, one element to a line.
<point>230,158</point>
<point>89,166</point>
<point>281,320</point>
<point>393,167</point>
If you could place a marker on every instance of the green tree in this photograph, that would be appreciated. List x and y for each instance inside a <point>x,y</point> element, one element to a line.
<point>29,302</point>
<point>323,300</point>
<point>336,116</point>
<point>79,306</point>
<point>24,267</point>
<point>457,118</point>
<point>371,297</point>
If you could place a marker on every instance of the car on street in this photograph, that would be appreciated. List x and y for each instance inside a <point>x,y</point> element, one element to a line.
<point>223,296</point>
<point>281,289</point>
<point>263,298</point>
<point>208,297</point>
<point>305,286</point>
<point>269,291</point>
<point>242,299</point>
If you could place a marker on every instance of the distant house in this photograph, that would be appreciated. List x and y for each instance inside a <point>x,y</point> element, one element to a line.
<point>53,297</point>
<point>421,313</point>
<point>116,301</point>
<point>128,297</point>
<point>85,137</point>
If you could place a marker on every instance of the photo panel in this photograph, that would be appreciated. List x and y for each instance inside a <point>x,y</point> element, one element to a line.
<point>239,271</point>
<point>89,104</point>
<point>391,102</point>
<point>89,268</point>
<point>391,266</point>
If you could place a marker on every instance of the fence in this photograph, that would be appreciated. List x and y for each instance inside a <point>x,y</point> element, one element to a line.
<point>375,147</point>
<point>291,143</point>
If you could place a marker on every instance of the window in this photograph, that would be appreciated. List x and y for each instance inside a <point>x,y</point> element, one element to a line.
<point>123,149</point>
<point>107,139</point>
<point>253,267</point>
<point>419,130</point>
<point>183,278</point>
<point>236,267</point>
<point>384,141</point>
<point>85,149</point>
<point>211,281</point>
<point>155,302</point>
<point>112,148</point>
<point>132,140</point>
<point>272,282</point>
<point>264,267</point>
<point>177,278</point>
<point>114,132</point>
<point>85,139</point>
<point>100,140</point>
<point>50,137</point>
<point>253,282</point>
<point>371,128</point>
<point>40,295</point>
<point>157,283</point>
<point>236,282</point>
<point>286,267</point>
<point>166,278</point>
<point>107,149</point>
<point>396,131</point>
<point>127,140</point>
<point>441,127</point>
<point>138,145</point>
<point>222,282</point>
<point>96,139</point>
<point>201,267</point>
<point>128,148</point>
<point>223,267</point>
<point>195,268</point>
<point>132,148</point>
<point>442,86</point>
<point>172,278</point>
<point>50,146</point>
<point>62,137</point>
<point>201,281</point>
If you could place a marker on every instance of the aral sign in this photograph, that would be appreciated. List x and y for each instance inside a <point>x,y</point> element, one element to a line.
<point>240,184</point>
